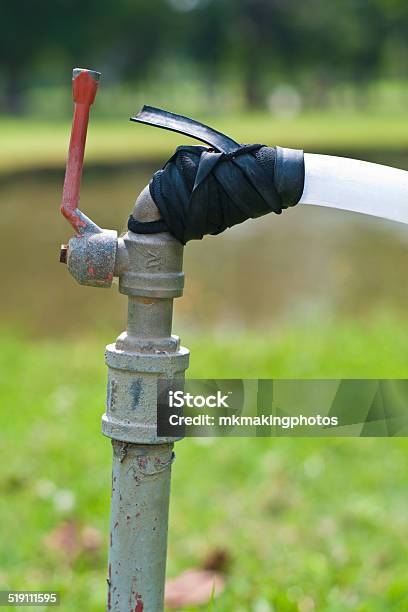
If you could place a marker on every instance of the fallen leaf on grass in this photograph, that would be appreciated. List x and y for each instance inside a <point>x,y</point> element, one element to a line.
<point>217,560</point>
<point>193,587</point>
<point>72,540</point>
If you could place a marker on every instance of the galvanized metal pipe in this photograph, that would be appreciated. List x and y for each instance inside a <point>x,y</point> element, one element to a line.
<point>138,526</point>
<point>149,318</point>
<point>150,272</point>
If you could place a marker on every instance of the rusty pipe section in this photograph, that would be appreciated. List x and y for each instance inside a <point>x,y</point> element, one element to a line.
<point>138,526</point>
<point>149,268</point>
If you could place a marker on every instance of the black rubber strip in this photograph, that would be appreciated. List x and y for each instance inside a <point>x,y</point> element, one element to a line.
<point>203,190</point>
<point>157,117</point>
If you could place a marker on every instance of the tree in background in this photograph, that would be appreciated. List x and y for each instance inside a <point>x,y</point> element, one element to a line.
<point>255,42</point>
<point>24,28</point>
<point>263,41</point>
<point>201,37</point>
<point>293,41</point>
<point>126,35</point>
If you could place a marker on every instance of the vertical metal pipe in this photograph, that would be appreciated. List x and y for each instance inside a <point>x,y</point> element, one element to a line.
<point>138,526</point>
<point>149,318</point>
<point>150,270</point>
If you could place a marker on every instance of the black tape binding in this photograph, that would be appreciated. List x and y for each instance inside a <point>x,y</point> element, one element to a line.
<point>204,190</point>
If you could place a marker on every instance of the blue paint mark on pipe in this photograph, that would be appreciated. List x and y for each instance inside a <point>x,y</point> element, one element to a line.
<point>135,390</point>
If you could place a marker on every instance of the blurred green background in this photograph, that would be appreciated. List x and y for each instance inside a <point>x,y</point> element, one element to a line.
<point>307,525</point>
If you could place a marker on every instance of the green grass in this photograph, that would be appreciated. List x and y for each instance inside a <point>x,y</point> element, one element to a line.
<point>309,524</point>
<point>28,143</point>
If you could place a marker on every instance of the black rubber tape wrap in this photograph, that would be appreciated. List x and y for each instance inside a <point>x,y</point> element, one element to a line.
<point>204,190</point>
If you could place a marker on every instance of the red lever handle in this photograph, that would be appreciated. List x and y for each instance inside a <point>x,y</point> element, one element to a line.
<point>84,88</point>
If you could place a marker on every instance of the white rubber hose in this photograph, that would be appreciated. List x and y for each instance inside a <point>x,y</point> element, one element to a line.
<point>359,186</point>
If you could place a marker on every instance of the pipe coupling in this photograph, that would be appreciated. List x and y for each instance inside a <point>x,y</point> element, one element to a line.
<point>132,398</point>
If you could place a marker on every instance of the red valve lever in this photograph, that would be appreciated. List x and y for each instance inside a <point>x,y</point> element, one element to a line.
<point>84,88</point>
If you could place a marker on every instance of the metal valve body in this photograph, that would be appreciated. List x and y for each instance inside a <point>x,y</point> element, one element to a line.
<point>149,268</point>
<point>150,273</point>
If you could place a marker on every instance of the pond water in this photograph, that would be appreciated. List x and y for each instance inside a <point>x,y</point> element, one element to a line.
<point>309,262</point>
